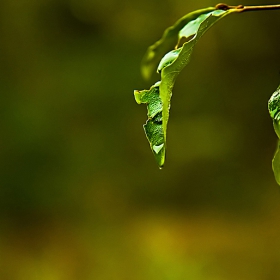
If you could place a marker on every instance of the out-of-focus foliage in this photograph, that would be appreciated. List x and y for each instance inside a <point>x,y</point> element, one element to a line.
<point>274,110</point>
<point>80,197</point>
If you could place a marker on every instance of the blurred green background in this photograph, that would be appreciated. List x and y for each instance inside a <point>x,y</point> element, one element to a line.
<point>81,194</point>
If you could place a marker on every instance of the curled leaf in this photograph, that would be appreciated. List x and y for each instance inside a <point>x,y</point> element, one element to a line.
<point>172,52</point>
<point>153,127</point>
<point>193,31</point>
<point>167,43</point>
<point>168,59</point>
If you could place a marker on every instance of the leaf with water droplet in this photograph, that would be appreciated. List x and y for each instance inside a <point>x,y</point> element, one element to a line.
<point>181,37</point>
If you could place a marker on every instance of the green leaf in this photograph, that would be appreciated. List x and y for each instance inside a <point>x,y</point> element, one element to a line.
<point>167,42</point>
<point>274,111</point>
<point>153,127</point>
<point>179,40</point>
<point>276,164</point>
<point>192,32</point>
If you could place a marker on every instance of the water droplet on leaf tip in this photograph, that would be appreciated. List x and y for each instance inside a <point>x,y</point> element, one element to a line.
<point>157,148</point>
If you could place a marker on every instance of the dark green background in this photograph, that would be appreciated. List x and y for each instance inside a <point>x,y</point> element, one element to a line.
<point>81,196</point>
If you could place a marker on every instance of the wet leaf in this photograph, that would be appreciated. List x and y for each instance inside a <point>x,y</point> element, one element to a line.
<point>179,40</point>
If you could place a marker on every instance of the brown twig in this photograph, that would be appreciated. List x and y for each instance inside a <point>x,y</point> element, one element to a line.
<point>241,8</point>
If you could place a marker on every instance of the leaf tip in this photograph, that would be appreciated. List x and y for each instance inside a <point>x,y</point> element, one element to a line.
<point>160,156</point>
<point>137,96</point>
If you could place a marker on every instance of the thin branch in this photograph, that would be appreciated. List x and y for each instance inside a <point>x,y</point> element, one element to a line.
<point>241,8</point>
<point>256,8</point>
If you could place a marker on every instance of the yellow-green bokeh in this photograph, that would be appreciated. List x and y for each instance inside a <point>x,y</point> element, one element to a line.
<point>81,195</point>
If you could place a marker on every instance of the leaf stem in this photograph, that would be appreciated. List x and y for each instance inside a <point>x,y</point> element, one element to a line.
<point>241,8</point>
